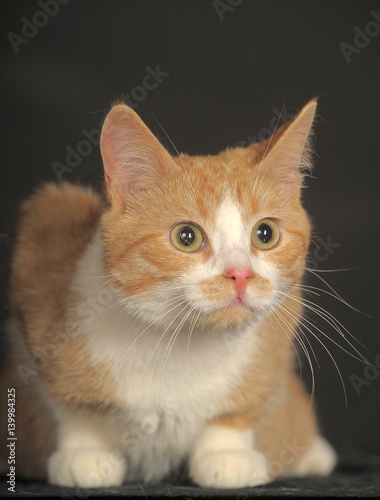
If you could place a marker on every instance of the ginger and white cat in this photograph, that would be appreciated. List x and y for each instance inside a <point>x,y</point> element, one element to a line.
<point>154,325</point>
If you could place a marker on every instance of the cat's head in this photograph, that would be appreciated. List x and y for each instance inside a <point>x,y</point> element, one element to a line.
<point>216,240</point>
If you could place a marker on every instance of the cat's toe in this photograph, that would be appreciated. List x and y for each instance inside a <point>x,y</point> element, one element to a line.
<point>320,459</point>
<point>86,468</point>
<point>230,469</point>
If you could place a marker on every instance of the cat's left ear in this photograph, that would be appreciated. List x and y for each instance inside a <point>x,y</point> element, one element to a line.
<point>287,154</point>
<point>133,158</point>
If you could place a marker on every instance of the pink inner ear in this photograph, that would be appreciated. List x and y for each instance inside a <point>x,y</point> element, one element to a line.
<point>133,158</point>
<point>111,165</point>
<point>291,153</point>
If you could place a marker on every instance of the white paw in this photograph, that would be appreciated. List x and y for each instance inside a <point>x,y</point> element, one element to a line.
<point>320,459</point>
<point>86,468</point>
<point>230,469</point>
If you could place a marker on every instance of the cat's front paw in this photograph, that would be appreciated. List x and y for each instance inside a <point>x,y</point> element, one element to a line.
<point>86,468</point>
<point>230,469</point>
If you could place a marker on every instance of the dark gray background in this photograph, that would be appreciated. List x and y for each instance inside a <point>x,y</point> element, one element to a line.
<point>225,79</point>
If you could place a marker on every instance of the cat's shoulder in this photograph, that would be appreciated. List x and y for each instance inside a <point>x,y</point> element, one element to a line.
<point>57,205</point>
<point>55,225</point>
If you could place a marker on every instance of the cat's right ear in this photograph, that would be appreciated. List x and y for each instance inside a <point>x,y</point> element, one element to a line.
<point>133,157</point>
<point>287,154</point>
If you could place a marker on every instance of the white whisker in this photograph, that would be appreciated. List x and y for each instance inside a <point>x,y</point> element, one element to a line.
<point>173,338</point>
<point>177,303</point>
<point>336,293</point>
<point>333,270</point>
<point>166,330</point>
<point>327,313</point>
<point>278,316</point>
<point>301,322</point>
<point>324,315</point>
<point>191,329</point>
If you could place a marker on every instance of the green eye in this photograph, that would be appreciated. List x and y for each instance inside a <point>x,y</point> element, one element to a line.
<point>265,234</point>
<point>187,237</point>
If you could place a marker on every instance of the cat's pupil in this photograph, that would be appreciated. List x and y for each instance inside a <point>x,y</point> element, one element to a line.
<point>264,232</point>
<point>187,236</point>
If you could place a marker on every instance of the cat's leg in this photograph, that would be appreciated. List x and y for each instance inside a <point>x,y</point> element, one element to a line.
<point>224,457</point>
<point>320,459</point>
<point>288,435</point>
<point>85,456</point>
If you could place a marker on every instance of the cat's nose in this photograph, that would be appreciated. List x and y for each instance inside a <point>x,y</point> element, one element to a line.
<point>240,275</point>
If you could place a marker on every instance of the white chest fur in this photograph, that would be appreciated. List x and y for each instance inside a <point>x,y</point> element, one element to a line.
<point>167,387</point>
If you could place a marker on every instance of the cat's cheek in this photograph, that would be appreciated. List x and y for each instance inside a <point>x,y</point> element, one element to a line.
<point>290,258</point>
<point>298,268</point>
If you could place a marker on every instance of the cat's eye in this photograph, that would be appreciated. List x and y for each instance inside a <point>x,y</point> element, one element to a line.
<point>265,234</point>
<point>187,237</point>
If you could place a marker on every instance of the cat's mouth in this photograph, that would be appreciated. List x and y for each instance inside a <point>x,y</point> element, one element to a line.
<point>237,306</point>
<point>237,303</point>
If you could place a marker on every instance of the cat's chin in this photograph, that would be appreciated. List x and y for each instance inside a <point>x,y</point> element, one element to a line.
<point>232,317</point>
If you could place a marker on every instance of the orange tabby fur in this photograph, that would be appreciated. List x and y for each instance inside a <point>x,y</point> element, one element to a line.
<point>58,223</point>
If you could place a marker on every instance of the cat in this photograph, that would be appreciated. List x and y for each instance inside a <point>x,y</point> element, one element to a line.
<point>153,324</point>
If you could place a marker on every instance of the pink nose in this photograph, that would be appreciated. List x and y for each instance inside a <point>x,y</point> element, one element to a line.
<point>240,276</point>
